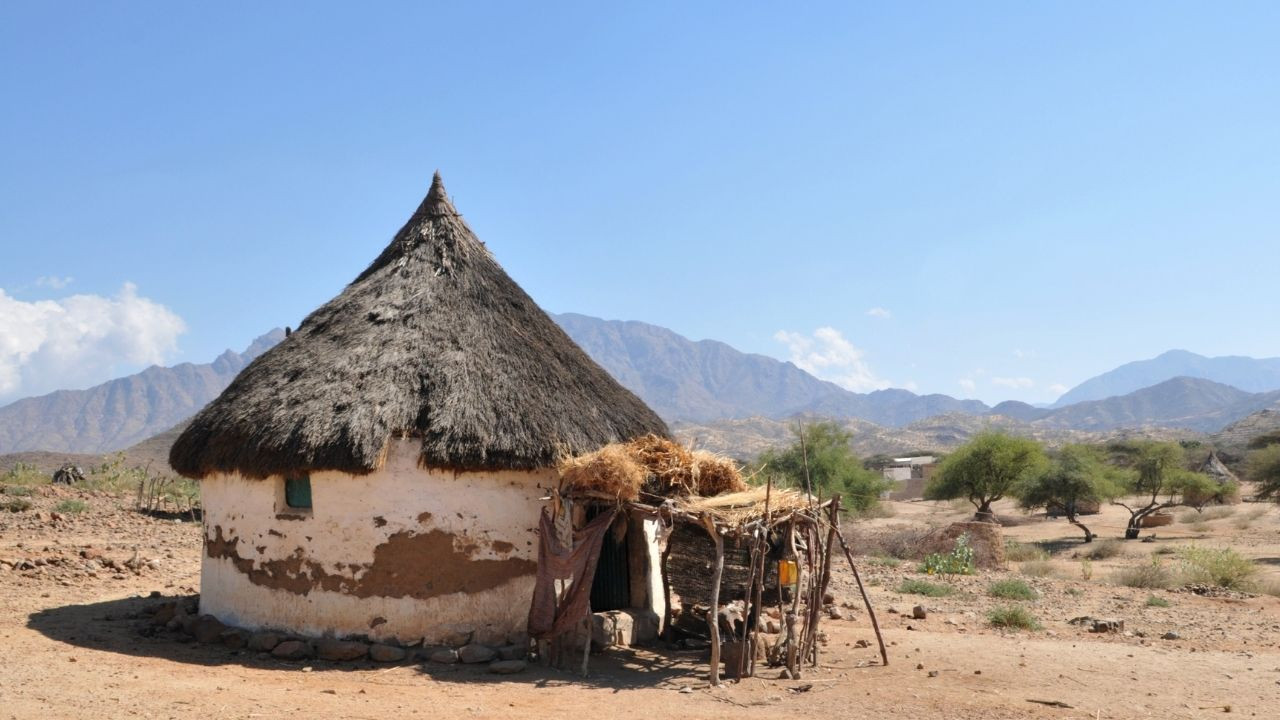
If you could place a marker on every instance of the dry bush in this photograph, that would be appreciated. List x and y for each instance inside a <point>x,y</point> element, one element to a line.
<point>1014,617</point>
<point>1149,575</point>
<point>610,470</point>
<point>1207,515</point>
<point>1038,568</point>
<point>1104,549</point>
<point>903,542</point>
<point>1015,551</point>
<point>1223,567</point>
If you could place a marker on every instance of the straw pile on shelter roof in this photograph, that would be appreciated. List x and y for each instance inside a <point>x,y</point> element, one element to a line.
<point>650,468</point>
<point>434,341</point>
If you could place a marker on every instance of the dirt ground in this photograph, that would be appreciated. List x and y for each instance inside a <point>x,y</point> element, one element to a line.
<point>73,589</point>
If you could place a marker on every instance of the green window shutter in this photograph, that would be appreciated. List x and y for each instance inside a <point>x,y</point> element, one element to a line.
<point>297,491</point>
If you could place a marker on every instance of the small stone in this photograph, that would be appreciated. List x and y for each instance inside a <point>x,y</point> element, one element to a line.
<point>507,667</point>
<point>919,666</point>
<point>828,598</point>
<point>164,614</point>
<point>207,629</point>
<point>835,613</point>
<point>340,650</point>
<point>1171,635</point>
<point>512,652</point>
<point>444,656</point>
<point>919,612</point>
<point>785,674</point>
<point>235,638</point>
<point>386,653</point>
<point>474,653</point>
<point>862,644</point>
<point>1107,626</point>
<point>263,641</point>
<point>933,673</point>
<point>292,650</point>
<point>455,635</point>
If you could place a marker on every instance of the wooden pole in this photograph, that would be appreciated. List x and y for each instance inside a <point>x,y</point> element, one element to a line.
<point>884,654</point>
<point>757,603</point>
<point>713,615</point>
<point>827,549</point>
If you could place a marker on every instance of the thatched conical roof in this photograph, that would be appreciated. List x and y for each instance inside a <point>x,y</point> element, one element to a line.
<point>1218,470</point>
<point>433,341</point>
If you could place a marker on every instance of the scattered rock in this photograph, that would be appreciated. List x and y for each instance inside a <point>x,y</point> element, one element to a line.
<point>292,650</point>
<point>235,638</point>
<point>207,629</point>
<point>474,653</point>
<point>340,650</point>
<point>919,666</point>
<point>933,673</point>
<point>512,652</point>
<point>507,667</point>
<point>444,656</point>
<point>263,641</point>
<point>919,612</point>
<point>1107,626</point>
<point>835,613</point>
<point>386,653</point>
<point>1171,635</point>
<point>862,644</point>
<point>164,613</point>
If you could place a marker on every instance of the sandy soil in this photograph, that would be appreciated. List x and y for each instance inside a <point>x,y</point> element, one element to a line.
<point>71,648</point>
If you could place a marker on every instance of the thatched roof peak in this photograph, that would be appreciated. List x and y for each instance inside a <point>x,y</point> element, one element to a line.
<point>433,341</point>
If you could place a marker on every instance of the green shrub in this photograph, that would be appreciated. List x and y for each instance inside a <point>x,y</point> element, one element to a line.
<point>1222,568</point>
<point>1148,575</point>
<point>1015,551</point>
<point>1104,549</point>
<point>957,562</point>
<point>1013,616</point>
<point>913,586</point>
<point>16,505</point>
<point>1156,601</point>
<point>1012,590</point>
<point>24,474</point>
<point>71,507</point>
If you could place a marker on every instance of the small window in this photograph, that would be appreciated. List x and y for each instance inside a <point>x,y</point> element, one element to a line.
<point>297,492</point>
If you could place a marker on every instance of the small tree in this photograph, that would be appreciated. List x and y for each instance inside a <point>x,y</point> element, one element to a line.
<point>1160,481</point>
<point>986,469</point>
<point>1263,467</point>
<point>1076,476</point>
<point>826,449</point>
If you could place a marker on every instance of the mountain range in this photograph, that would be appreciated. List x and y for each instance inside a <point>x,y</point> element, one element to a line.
<point>1244,373</point>
<point>706,389</point>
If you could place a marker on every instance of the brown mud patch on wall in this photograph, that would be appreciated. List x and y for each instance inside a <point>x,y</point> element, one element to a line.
<point>416,565</point>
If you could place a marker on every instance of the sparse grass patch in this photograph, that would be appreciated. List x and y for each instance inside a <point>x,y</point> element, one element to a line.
<point>1012,590</point>
<point>1220,567</point>
<point>904,542</point>
<point>1247,519</point>
<point>883,561</point>
<point>1156,601</point>
<point>1014,617</point>
<point>71,507</point>
<point>16,505</point>
<point>1038,568</point>
<point>1207,515</point>
<point>1270,586</point>
<point>1074,591</point>
<point>24,474</point>
<point>913,586</point>
<point>1015,551</point>
<point>1165,550</point>
<point>17,490</point>
<point>1104,549</point>
<point>1148,575</point>
<point>1199,527</point>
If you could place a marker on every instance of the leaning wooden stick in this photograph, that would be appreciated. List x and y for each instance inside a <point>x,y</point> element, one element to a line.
<point>884,654</point>
<point>713,615</point>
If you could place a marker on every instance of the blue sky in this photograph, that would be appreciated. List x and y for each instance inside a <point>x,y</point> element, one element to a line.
<point>991,200</point>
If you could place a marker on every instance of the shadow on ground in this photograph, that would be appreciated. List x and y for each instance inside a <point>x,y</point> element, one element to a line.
<point>117,626</point>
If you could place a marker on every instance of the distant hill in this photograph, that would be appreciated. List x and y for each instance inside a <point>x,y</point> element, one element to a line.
<point>1182,402</point>
<point>1248,374</point>
<point>1237,435</point>
<point>708,380</point>
<point>1019,410</point>
<point>124,411</point>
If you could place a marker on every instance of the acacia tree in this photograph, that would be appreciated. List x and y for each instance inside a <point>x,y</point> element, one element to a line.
<point>986,469</point>
<point>1075,476</point>
<point>1160,480</point>
<point>825,450</point>
<point>1263,467</point>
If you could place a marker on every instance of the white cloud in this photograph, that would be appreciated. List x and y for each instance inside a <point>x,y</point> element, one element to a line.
<point>910,385</point>
<point>54,281</point>
<point>828,355</point>
<point>1017,383</point>
<point>968,384</point>
<point>1058,389</point>
<point>81,339</point>
<point>879,312</point>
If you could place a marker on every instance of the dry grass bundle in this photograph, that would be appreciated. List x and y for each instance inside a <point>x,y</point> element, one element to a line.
<point>717,475</point>
<point>611,470</point>
<point>745,505</point>
<point>670,466</point>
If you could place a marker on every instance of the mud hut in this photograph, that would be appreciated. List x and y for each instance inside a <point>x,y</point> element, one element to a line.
<point>380,471</point>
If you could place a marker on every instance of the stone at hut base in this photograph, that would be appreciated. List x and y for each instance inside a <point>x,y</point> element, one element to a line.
<point>263,641</point>
<point>386,653</point>
<point>474,653</point>
<point>207,629</point>
<point>507,667</point>
<point>292,650</point>
<point>235,638</point>
<point>444,656</point>
<point>513,652</point>
<point>340,650</point>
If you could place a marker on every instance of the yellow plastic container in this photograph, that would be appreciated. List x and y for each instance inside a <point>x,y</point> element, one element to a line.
<point>788,573</point>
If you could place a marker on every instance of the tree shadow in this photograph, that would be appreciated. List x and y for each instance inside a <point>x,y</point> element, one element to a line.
<point>1267,560</point>
<point>124,626</point>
